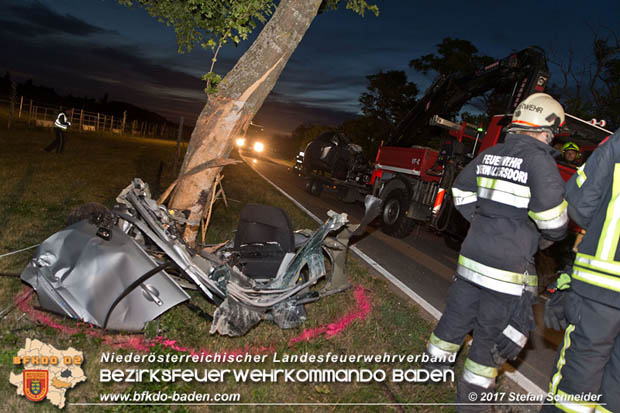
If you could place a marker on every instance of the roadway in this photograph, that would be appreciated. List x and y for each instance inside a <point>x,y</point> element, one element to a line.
<point>421,261</point>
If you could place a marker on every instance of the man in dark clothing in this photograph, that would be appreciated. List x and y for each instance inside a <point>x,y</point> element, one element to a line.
<point>511,193</point>
<point>60,126</point>
<point>587,303</point>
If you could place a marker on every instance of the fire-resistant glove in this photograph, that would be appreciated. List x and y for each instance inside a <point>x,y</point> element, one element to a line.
<point>555,316</point>
<point>511,341</point>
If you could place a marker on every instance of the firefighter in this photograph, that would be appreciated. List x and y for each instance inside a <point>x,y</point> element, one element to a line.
<point>571,153</point>
<point>511,194</point>
<point>60,126</point>
<point>587,303</point>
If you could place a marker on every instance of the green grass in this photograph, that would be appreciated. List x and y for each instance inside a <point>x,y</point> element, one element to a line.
<point>38,189</point>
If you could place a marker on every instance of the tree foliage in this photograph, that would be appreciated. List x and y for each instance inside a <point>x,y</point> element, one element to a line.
<point>590,88</point>
<point>208,22</point>
<point>389,97</point>
<point>457,57</point>
<point>454,56</point>
<point>213,23</point>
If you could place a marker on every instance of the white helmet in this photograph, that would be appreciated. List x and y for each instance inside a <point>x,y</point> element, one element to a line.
<point>538,112</point>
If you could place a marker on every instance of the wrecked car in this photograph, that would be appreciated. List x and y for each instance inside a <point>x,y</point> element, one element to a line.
<point>119,269</point>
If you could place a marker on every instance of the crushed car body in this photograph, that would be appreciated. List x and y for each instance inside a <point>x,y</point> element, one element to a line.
<point>119,269</point>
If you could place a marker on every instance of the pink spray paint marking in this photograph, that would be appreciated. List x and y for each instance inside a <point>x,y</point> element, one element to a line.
<point>330,330</point>
<point>139,343</point>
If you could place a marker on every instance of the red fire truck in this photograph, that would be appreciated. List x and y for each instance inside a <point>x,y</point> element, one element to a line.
<point>413,191</point>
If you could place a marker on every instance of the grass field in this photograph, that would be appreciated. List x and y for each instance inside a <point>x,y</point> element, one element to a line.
<point>38,189</point>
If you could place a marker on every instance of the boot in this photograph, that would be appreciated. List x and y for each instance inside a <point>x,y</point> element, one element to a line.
<point>468,398</point>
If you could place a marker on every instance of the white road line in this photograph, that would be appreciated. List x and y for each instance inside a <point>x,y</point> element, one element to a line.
<point>516,376</point>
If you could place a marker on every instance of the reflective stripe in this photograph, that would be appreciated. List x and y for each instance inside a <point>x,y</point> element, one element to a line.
<point>57,123</point>
<point>478,374</point>
<point>476,380</point>
<point>498,274</point>
<point>490,283</point>
<point>527,123</point>
<point>557,377</point>
<point>463,197</point>
<point>441,349</point>
<point>480,369</point>
<point>610,233</point>
<point>553,223</point>
<point>552,218</point>
<point>504,192</point>
<point>438,353</point>
<point>550,213</point>
<point>565,403</point>
<point>581,176</point>
<point>608,282</point>
<point>585,260</point>
<point>515,335</point>
<point>503,197</point>
<point>444,345</point>
<point>601,409</point>
<point>504,186</point>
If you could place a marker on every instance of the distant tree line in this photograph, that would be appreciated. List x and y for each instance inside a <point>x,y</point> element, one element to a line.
<point>47,95</point>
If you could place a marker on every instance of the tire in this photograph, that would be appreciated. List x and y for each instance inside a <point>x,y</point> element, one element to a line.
<point>314,187</point>
<point>394,220</point>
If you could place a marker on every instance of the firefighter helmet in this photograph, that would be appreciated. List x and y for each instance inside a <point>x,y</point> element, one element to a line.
<point>570,146</point>
<point>538,112</point>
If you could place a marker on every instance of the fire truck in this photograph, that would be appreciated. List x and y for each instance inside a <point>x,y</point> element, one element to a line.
<point>413,179</point>
<point>414,190</point>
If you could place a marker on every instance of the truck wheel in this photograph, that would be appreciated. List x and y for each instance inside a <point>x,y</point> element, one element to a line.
<point>394,219</point>
<point>314,187</point>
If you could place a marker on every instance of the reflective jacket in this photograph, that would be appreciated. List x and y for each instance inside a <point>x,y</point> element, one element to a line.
<point>511,193</point>
<point>62,122</point>
<point>593,203</point>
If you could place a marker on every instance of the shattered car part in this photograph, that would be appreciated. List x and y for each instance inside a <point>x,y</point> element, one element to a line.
<point>79,275</point>
<point>119,280</point>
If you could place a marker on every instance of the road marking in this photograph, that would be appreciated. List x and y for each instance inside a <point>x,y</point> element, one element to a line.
<point>516,376</point>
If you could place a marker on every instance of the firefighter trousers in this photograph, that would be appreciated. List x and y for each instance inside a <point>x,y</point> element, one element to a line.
<point>588,361</point>
<point>483,312</point>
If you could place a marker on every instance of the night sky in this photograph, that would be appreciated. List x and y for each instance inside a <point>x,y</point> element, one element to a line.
<point>90,47</point>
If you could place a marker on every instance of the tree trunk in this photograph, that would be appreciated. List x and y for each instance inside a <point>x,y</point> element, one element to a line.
<point>240,95</point>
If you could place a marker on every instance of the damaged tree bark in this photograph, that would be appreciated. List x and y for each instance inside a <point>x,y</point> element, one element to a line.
<point>240,95</point>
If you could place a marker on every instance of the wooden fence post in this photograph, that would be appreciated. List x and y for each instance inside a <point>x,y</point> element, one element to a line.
<point>30,111</point>
<point>21,104</point>
<point>178,152</point>
<point>81,119</point>
<point>111,122</point>
<point>12,104</point>
<point>124,121</point>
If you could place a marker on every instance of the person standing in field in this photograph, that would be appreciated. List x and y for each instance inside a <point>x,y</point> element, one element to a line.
<point>60,126</point>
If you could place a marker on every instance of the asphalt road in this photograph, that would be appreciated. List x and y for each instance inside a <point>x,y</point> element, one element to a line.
<point>422,261</point>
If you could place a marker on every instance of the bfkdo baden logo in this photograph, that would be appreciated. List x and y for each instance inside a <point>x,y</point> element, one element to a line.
<point>48,372</point>
<point>36,383</point>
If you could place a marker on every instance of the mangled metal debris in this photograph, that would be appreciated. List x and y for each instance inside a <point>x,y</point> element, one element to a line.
<point>118,269</point>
